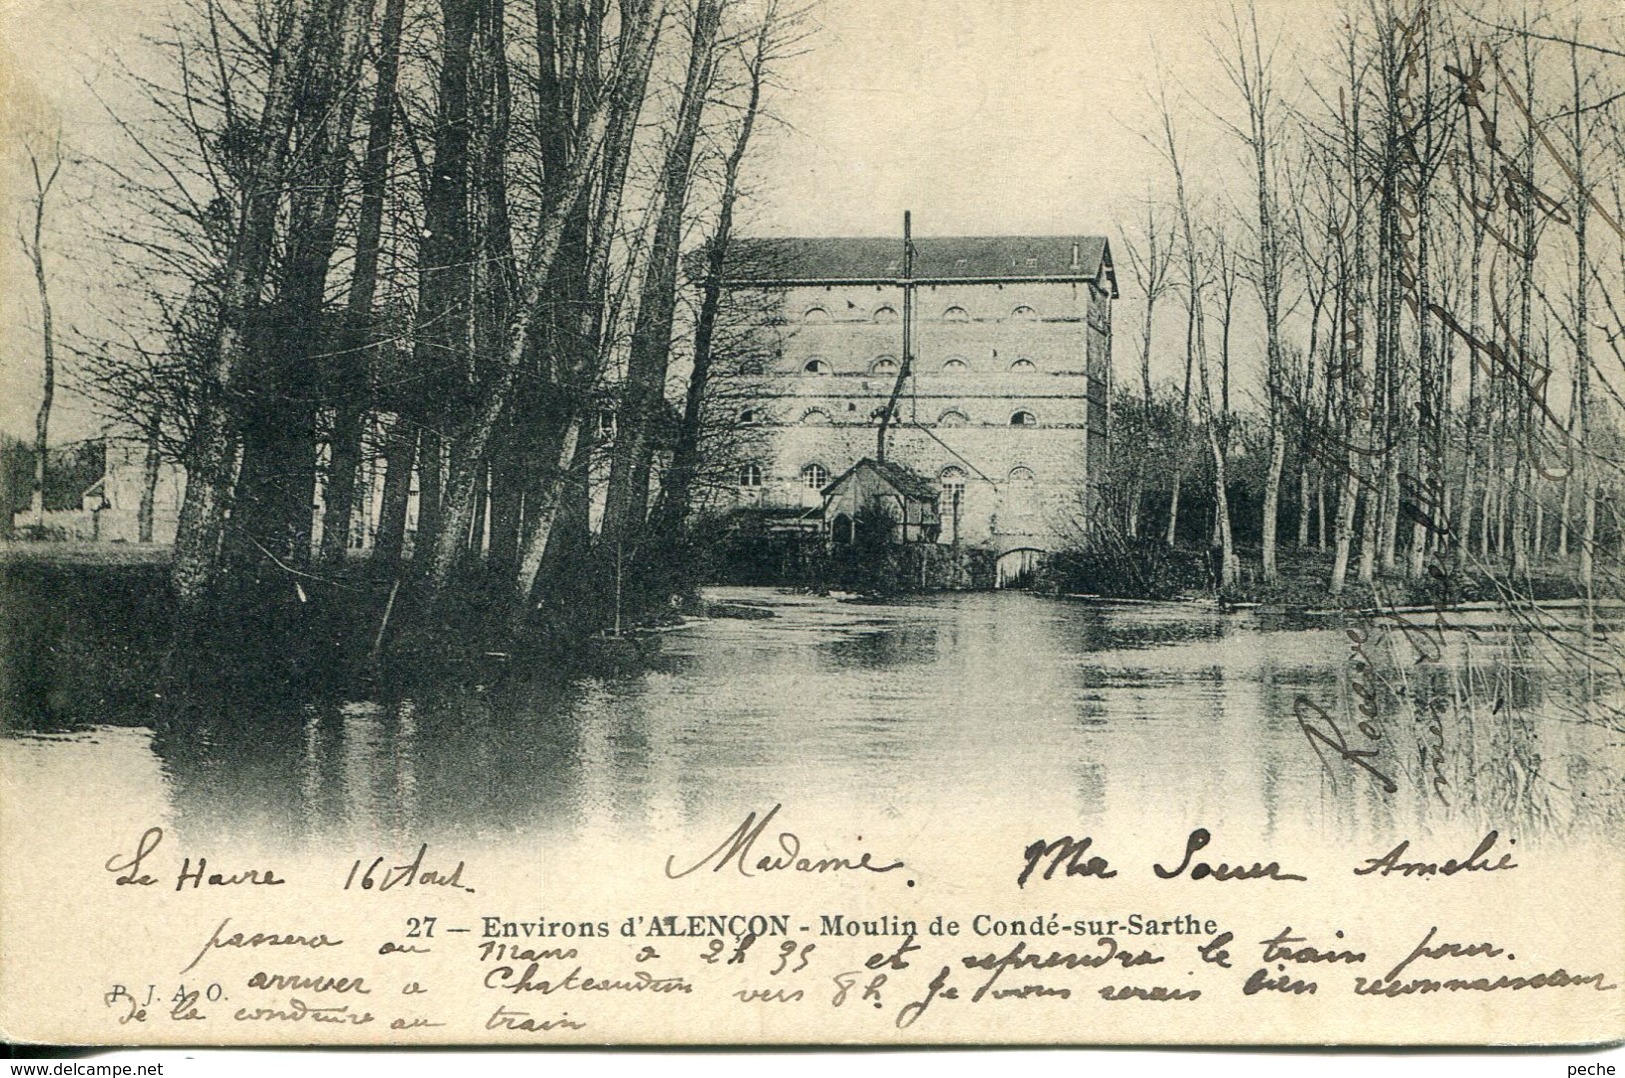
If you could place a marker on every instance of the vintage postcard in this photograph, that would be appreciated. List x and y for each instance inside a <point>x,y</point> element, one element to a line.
<point>817,522</point>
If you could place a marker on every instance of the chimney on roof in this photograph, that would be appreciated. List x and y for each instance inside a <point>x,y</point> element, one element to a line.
<point>1077,256</point>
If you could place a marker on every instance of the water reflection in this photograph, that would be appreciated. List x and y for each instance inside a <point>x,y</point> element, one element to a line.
<point>1006,703</point>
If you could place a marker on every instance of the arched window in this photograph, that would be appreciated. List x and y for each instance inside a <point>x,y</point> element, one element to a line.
<point>883,365</point>
<point>1023,418</point>
<point>814,416</point>
<point>1023,366</point>
<point>885,313</point>
<point>815,477</point>
<point>1024,313</point>
<point>1021,492</point>
<point>955,365</point>
<point>815,316</point>
<point>951,501</point>
<point>953,417</point>
<point>956,314</point>
<point>816,365</point>
<point>750,477</point>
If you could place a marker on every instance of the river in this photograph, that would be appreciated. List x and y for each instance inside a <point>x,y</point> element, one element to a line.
<point>986,705</point>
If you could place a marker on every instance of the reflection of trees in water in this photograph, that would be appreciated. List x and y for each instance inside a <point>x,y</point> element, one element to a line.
<point>232,760</point>
<point>1503,732</point>
<point>447,760</point>
<point>1528,741</point>
<point>1091,791</point>
<point>1140,632</point>
<point>893,645</point>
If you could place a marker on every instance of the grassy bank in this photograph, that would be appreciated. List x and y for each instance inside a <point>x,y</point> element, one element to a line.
<point>1150,570</point>
<point>83,630</point>
<point>87,634</point>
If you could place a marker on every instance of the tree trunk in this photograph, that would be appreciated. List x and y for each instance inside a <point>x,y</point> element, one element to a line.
<point>398,450</point>
<point>507,506</point>
<point>1305,506</point>
<point>1357,388</point>
<point>1580,413</point>
<point>497,389</point>
<point>150,465</point>
<point>1272,499</point>
<point>1470,449</point>
<point>42,418</point>
<point>1523,485</point>
<point>1184,437</point>
<point>643,395</point>
<point>676,492</point>
<point>431,467</point>
<point>539,526</point>
<point>1320,512</point>
<point>278,477</point>
<point>211,470</point>
<point>356,360</point>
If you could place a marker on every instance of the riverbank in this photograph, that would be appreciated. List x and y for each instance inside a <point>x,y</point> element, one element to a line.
<point>85,628</point>
<point>1151,571</point>
<point>89,629</point>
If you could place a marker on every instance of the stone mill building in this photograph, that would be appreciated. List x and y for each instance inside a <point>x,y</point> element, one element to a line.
<point>1004,412</point>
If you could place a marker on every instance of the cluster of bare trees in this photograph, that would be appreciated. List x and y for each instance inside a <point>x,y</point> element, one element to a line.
<point>1429,235</point>
<point>436,248</point>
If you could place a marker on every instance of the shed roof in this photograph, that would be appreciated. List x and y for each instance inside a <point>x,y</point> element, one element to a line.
<point>945,258</point>
<point>905,481</point>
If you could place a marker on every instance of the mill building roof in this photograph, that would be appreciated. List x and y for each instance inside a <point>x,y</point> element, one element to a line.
<point>878,259</point>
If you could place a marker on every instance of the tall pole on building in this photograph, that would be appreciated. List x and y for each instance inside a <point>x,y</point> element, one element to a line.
<point>907,283</point>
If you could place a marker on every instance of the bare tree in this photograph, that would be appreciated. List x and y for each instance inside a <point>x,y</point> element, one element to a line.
<point>643,398</point>
<point>33,243</point>
<point>1250,69</point>
<point>212,471</point>
<point>1150,255</point>
<point>277,421</point>
<point>495,393</point>
<point>1358,388</point>
<point>353,360</point>
<point>1195,282</point>
<point>1228,569</point>
<point>587,335</point>
<point>676,491</point>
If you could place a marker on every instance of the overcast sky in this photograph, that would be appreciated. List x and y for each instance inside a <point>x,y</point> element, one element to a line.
<point>981,116</point>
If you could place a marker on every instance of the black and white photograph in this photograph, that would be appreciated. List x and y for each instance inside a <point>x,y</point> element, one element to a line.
<point>818,522</point>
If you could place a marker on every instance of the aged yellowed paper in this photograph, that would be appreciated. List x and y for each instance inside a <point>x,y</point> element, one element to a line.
<point>741,522</point>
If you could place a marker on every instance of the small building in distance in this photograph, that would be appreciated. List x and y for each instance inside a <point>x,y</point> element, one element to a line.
<point>1004,412</point>
<point>873,492</point>
<point>135,498</point>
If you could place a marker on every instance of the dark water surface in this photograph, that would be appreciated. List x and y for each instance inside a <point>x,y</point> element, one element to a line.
<point>992,702</point>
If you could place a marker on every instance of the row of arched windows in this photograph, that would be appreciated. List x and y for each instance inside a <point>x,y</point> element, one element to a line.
<point>815,476</point>
<point>888,365</point>
<point>953,417</point>
<point>886,314</point>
